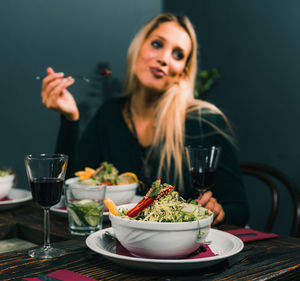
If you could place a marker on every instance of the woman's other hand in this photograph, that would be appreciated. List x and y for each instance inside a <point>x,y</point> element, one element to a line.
<point>56,96</point>
<point>209,202</point>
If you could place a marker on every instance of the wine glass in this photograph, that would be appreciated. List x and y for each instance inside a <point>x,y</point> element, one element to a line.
<point>46,174</point>
<point>202,162</point>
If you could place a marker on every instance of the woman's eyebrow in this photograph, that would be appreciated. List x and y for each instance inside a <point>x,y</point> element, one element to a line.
<point>160,37</point>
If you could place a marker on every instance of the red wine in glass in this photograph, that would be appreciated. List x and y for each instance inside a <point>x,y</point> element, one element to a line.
<point>46,173</point>
<point>203,180</point>
<point>202,162</point>
<point>46,191</point>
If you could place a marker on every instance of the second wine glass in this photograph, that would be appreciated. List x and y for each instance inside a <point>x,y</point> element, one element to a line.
<point>202,162</point>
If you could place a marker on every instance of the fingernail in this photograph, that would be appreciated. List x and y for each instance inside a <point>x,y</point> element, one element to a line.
<point>61,74</point>
<point>64,81</point>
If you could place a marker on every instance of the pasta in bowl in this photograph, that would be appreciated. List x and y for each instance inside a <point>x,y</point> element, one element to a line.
<point>170,227</point>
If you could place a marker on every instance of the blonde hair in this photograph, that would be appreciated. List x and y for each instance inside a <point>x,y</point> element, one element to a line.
<point>173,104</point>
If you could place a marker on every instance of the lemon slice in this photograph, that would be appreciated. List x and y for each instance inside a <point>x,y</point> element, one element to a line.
<point>128,177</point>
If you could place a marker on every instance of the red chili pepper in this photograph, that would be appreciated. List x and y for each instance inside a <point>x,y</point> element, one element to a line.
<point>106,182</point>
<point>146,201</point>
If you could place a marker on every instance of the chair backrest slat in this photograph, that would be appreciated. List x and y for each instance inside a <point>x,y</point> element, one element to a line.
<point>263,172</point>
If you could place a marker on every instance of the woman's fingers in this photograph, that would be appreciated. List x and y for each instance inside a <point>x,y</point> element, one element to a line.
<point>50,70</point>
<point>50,78</point>
<point>217,209</point>
<point>55,91</point>
<point>49,89</point>
<point>209,202</point>
<point>219,215</point>
<point>204,198</point>
<point>58,91</point>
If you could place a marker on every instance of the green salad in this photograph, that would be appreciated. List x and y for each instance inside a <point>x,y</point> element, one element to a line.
<point>106,173</point>
<point>4,173</point>
<point>170,207</point>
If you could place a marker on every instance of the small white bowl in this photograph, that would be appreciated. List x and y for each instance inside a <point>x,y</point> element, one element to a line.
<point>162,240</point>
<point>119,194</point>
<point>6,183</point>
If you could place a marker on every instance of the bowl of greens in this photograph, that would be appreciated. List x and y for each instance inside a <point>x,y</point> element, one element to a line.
<point>6,182</point>
<point>162,225</point>
<point>121,188</point>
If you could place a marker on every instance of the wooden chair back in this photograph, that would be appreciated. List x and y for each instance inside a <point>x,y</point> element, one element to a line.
<point>267,175</point>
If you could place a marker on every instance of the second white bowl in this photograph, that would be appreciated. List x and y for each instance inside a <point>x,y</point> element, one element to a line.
<point>119,194</point>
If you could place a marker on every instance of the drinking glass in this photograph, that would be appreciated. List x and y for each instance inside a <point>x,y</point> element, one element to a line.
<point>85,205</point>
<point>202,162</point>
<point>46,174</point>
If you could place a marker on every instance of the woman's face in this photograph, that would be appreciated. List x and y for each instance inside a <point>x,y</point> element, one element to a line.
<point>162,57</point>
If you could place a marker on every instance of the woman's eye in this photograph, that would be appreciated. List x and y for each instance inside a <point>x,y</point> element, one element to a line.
<point>156,44</point>
<point>178,54</point>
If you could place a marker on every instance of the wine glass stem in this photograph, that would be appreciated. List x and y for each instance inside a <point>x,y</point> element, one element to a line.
<point>46,228</point>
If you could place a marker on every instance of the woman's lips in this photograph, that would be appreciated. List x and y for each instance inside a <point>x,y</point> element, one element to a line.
<point>157,72</point>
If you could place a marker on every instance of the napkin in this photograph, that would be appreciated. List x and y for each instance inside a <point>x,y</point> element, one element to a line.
<point>248,234</point>
<point>5,199</point>
<point>120,250</point>
<point>64,275</point>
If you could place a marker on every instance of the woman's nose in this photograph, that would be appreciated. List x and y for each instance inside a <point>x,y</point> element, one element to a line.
<point>164,58</point>
<point>162,62</point>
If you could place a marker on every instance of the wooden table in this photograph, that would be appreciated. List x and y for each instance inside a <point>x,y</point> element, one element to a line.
<point>276,259</point>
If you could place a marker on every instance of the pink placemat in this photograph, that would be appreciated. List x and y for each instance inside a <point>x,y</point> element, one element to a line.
<point>120,250</point>
<point>248,234</point>
<point>5,199</point>
<point>64,275</point>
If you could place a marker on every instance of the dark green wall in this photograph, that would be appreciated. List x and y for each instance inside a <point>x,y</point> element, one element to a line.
<point>72,36</point>
<point>256,46</point>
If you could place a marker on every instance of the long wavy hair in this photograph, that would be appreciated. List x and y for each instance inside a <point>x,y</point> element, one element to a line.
<point>174,103</point>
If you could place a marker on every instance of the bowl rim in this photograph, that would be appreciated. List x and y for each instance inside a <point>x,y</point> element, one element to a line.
<point>124,187</point>
<point>163,226</point>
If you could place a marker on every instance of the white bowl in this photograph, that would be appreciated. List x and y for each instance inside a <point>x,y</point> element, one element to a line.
<point>168,240</point>
<point>119,194</point>
<point>6,183</point>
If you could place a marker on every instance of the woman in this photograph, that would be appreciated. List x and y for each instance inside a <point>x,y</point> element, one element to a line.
<point>145,130</point>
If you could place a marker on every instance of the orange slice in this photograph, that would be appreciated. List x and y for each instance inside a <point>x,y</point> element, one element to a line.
<point>128,177</point>
<point>111,206</point>
<point>86,174</point>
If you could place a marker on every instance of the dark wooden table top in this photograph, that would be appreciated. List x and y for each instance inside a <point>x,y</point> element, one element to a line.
<point>272,259</point>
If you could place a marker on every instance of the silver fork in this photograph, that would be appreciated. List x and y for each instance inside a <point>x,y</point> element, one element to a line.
<point>103,72</point>
<point>76,76</point>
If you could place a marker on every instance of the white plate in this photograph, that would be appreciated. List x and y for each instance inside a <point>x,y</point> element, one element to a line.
<point>223,244</point>
<point>63,212</point>
<point>18,196</point>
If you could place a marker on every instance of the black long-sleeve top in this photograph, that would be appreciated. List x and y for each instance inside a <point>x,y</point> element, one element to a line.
<point>108,138</point>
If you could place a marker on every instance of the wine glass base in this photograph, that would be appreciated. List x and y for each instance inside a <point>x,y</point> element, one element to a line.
<point>46,253</point>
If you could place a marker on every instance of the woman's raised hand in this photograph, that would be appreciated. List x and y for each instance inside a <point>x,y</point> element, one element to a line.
<point>209,202</point>
<point>56,96</point>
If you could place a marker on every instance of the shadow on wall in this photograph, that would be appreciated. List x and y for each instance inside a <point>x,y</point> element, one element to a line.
<point>102,88</point>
